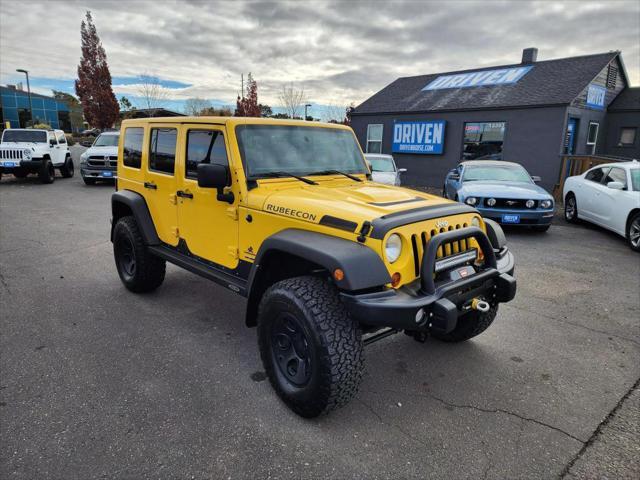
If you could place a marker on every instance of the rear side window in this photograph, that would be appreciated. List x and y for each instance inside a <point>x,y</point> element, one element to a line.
<point>595,175</point>
<point>204,146</point>
<point>132,149</point>
<point>162,150</point>
<point>61,139</point>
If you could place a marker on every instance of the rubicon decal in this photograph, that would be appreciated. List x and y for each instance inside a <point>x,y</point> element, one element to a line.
<point>291,212</point>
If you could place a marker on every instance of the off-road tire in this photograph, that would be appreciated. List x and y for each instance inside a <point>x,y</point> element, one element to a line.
<point>469,325</point>
<point>67,169</point>
<point>47,173</point>
<point>633,226</point>
<point>571,208</point>
<point>89,181</point>
<point>147,272</point>
<point>333,342</point>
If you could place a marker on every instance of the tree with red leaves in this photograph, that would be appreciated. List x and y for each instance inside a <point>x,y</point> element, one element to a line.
<point>93,85</point>
<point>248,106</point>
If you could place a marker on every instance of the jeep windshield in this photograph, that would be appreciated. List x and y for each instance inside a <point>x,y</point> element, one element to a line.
<point>35,136</point>
<point>106,141</point>
<point>298,150</point>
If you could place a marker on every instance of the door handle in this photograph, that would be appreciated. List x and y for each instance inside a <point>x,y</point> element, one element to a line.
<point>150,185</point>
<point>182,194</point>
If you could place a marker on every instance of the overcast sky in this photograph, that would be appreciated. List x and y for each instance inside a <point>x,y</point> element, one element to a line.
<point>341,52</point>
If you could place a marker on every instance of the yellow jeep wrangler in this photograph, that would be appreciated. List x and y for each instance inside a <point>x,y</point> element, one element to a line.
<point>284,213</point>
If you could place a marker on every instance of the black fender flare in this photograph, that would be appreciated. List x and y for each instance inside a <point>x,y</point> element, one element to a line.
<point>495,233</point>
<point>136,203</point>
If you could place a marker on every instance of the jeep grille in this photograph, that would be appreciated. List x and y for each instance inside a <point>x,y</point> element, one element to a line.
<point>11,154</point>
<point>419,242</point>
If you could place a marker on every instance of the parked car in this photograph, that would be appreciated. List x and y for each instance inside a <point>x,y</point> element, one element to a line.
<point>501,191</point>
<point>91,131</point>
<point>281,212</point>
<point>383,169</point>
<point>609,196</point>
<point>32,150</point>
<point>99,162</point>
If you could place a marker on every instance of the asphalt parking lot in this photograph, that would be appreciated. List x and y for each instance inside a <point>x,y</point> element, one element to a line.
<point>96,382</point>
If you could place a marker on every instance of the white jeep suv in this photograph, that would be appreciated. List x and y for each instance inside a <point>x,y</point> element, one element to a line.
<point>30,150</point>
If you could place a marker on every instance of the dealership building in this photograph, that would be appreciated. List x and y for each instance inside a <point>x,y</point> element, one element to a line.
<point>532,113</point>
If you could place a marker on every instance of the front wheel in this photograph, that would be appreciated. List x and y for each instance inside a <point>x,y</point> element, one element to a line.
<point>311,349</point>
<point>47,173</point>
<point>571,209</point>
<point>67,169</point>
<point>469,325</point>
<point>139,269</point>
<point>633,232</point>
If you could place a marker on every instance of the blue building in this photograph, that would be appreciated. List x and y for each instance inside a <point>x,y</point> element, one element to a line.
<point>14,108</point>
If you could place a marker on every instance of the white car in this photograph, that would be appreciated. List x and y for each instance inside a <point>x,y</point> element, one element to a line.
<point>609,196</point>
<point>99,161</point>
<point>383,168</point>
<point>32,150</point>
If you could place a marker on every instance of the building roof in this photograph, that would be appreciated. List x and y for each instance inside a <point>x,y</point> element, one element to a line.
<point>150,112</point>
<point>627,101</point>
<point>549,82</point>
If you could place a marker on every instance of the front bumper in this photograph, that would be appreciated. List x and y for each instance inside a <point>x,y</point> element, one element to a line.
<point>99,173</point>
<point>30,165</point>
<point>436,306</point>
<point>527,217</point>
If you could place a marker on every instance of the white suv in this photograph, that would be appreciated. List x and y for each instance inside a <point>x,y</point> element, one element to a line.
<point>30,150</point>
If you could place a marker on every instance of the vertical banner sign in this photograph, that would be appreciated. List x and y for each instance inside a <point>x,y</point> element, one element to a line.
<point>595,96</point>
<point>419,137</point>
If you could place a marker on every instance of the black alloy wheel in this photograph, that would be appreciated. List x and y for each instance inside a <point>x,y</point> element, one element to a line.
<point>290,350</point>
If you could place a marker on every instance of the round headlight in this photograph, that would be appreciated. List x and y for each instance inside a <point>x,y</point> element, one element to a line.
<point>491,202</point>
<point>546,203</point>
<point>26,154</point>
<point>530,203</point>
<point>471,201</point>
<point>393,247</point>
<point>475,221</point>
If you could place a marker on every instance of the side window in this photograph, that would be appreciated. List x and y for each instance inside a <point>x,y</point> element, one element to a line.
<point>204,146</point>
<point>162,150</point>
<point>616,175</point>
<point>132,149</point>
<point>374,138</point>
<point>52,138</point>
<point>61,139</point>
<point>595,175</point>
<point>627,136</point>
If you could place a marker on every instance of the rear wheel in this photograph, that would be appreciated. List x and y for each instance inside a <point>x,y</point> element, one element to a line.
<point>633,232</point>
<point>310,347</point>
<point>139,269</point>
<point>571,209</point>
<point>67,169</point>
<point>47,173</point>
<point>469,325</point>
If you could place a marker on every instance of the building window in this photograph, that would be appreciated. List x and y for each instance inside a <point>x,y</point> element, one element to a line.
<point>132,150</point>
<point>374,138</point>
<point>592,136</point>
<point>162,150</point>
<point>627,136</point>
<point>204,146</point>
<point>483,140</point>
<point>612,75</point>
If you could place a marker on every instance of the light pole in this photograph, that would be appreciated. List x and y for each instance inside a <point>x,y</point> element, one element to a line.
<point>29,92</point>
<point>307,105</point>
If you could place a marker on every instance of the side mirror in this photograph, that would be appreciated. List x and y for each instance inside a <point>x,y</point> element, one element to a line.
<point>402,170</point>
<point>536,179</point>
<point>215,176</point>
<point>616,185</point>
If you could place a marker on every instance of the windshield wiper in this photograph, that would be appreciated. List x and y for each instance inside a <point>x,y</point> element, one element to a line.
<point>287,174</point>
<point>337,172</point>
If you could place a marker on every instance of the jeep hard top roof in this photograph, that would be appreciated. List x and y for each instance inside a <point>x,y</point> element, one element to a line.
<point>231,121</point>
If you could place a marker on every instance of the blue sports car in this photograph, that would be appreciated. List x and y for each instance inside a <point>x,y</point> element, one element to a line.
<point>501,191</point>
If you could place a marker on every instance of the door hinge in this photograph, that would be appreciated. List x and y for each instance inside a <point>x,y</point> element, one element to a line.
<point>175,231</point>
<point>173,199</point>
<point>233,251</point>
<point>232,212</point>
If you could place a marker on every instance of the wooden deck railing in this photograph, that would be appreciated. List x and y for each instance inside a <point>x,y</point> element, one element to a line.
<point>571,165</point>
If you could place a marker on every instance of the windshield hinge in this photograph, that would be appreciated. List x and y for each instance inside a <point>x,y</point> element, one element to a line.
<point>364,231</point>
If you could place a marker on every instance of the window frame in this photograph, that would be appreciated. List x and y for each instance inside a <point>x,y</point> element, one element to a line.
<point>605,172</point>
<point>219,131</point>
<point>462,142</point>
<point>595,142</point>
<point>635,137</point>
<point>150,156</point>
<point>369,125</point>
<point>124,140</point>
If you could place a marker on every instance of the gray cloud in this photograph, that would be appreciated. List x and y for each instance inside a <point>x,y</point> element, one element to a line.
<point>340,51</point>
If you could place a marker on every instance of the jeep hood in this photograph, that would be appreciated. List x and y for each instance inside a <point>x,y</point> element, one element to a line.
<point>349,201</point>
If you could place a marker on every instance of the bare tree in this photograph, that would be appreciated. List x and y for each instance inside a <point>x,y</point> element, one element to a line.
<point>292,99</point>
<point>195,106</point>
<point>151,92</point>
<point>334,113</point>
